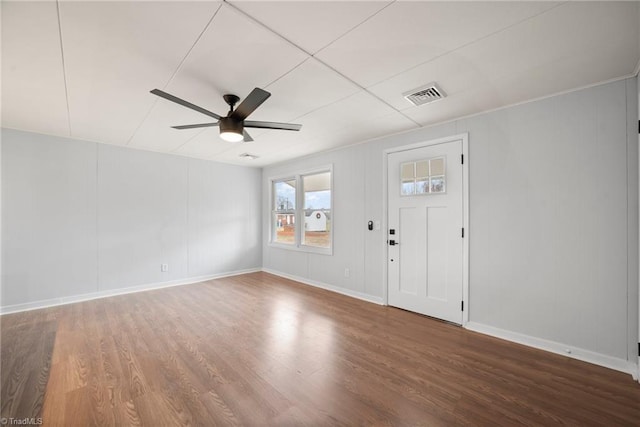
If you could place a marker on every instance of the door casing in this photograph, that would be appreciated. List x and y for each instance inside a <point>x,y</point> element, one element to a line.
<point>464,137</point>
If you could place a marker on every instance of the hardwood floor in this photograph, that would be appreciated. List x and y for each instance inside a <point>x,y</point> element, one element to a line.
<point>261,350</point>
<point>26,345</point>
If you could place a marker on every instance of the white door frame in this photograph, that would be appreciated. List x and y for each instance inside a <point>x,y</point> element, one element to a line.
<point>464,137</point>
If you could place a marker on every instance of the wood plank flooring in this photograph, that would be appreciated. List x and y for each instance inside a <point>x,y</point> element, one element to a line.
<point>26,346</point>
<point>261,350</point>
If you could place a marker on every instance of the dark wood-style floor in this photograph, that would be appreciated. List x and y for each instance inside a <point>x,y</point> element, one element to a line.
<point>261,350</point>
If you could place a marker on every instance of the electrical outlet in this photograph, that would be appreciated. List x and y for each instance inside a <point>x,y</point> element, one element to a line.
<point>347,273</point>
<point>164,267</point>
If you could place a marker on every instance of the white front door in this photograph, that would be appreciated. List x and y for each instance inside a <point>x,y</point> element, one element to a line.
<point>425,252</point>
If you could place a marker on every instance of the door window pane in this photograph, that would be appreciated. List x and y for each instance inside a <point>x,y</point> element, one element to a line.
<point>423,177</point>
<point>284,212</point>
<point>437,184</point>
<point>422,169</point>
<point>317,210</point>
<point>422,186</point>
<point>436,166</point>
<point>408,188</point>
<point>408,171</point>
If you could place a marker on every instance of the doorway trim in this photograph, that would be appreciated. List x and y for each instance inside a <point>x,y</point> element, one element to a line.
<point>464,137</point>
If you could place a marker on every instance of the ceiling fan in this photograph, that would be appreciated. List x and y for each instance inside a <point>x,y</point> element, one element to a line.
<point>232,126</point>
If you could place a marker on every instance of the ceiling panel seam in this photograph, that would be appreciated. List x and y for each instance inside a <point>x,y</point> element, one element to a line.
<point>288,72</point>
<point>64,68</point>
<point>469,44</point>
<point>317,59</point>
<point>206,27</point>
<point>173,75</point>
<point>355,27</point>
<point>326,105</point>
<point>246,15</point>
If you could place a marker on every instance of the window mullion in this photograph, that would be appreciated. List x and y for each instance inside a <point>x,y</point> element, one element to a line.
<point>299,211</point>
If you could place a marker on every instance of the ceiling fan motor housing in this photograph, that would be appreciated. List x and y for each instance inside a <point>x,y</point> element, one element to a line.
<point>228,124</point>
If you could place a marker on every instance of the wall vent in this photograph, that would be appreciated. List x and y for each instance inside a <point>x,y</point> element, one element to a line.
<point>424,94</point>
<point>248,156</point>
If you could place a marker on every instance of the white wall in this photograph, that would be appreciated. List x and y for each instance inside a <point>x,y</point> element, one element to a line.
<point>553,219</point>
<point>84,218</point>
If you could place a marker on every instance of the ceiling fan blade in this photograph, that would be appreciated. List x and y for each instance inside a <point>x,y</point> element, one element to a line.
<point>250,103</point>
<point>271,125</point>
<point>184,103</point>
<point>247,137</point>
<point>200,125</point>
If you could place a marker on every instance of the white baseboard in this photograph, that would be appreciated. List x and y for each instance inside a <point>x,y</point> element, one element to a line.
<point>113,292</point>
<point>347,292</point>
<point>610,362</point>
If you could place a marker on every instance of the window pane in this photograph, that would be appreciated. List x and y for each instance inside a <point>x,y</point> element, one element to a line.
<point>437,166</point>
<point>408,188</point>
<point>408,171</point>
<point>317,210</point>
<point>437,184</point>
<point>422,186</point>
<point>422,169</point>
<point>284,218</point>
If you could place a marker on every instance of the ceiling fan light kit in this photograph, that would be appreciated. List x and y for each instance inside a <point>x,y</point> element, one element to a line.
<point>232,126</point>
<point>231,130</point>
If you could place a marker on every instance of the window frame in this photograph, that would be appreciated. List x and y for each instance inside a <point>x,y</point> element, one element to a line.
<point>299,211</point>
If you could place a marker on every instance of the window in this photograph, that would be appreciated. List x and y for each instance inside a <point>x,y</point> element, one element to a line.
<point>423,177</point>
<point>317,210</point>
<point>301,214</point>
<point>284,216</point>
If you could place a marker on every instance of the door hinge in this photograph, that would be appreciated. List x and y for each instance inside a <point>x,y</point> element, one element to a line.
<point>638,132</point>
<point>462,158</point>
<point>639,349</point>
<point>461,305</point>
<point>463,232</point>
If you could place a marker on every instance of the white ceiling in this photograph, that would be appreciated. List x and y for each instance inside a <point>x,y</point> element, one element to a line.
<point>84,69</point>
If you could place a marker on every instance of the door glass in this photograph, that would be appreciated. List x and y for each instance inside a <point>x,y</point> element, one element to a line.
<point>422,185</point>
<point>423,177</point>
<point>408,188</point>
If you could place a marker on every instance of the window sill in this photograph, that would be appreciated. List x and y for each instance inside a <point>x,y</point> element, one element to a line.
<point>302,248</point>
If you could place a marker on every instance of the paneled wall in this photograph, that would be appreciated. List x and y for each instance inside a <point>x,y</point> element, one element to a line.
<point>553,220</point>
<point>80,218</point>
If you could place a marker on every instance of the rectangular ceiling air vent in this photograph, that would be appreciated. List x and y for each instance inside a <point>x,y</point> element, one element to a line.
<point>248,156</point>
<point>425,94</point>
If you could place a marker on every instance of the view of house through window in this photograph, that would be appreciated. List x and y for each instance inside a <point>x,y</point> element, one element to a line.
<point>301,211</point>
<point>284,216</point>
<point>317,210</point>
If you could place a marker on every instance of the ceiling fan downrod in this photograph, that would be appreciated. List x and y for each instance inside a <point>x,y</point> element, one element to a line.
<point>231,100</point>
